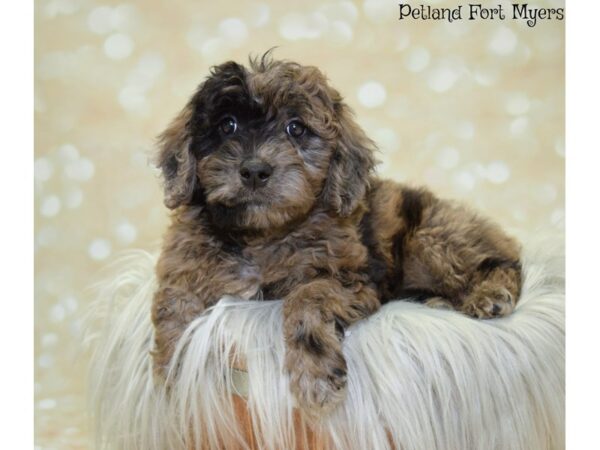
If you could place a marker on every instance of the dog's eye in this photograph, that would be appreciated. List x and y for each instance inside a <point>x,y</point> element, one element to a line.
<point>295,128</point>
<point>228,125</point>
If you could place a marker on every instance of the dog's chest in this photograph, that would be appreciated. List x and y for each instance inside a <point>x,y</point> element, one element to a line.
<point>266,272</point>
<point>249,277</point>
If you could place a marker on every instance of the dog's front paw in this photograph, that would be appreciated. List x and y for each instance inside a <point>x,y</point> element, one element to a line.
<point>489,300</point>
<point>317,382</point>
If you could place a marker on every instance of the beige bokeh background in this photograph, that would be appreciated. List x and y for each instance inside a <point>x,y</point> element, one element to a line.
<point>475,110</point>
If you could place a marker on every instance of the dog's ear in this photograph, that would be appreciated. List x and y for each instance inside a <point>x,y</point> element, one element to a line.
<point>176,157</point>
<point>351,164</point>
<point>176,160</point>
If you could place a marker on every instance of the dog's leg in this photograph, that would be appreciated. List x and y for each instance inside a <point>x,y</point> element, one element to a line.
<point>173,309</point>
<point>461,259</point>
<point>452,267</point>
<point>494,291</point>
<point>466,272</point>
<point>315,316</point>
<point>183,295</point>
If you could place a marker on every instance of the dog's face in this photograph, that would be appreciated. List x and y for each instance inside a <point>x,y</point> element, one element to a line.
<point>261,147</point>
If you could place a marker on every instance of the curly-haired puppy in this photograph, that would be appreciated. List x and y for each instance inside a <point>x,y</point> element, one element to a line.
<point>271,184</point>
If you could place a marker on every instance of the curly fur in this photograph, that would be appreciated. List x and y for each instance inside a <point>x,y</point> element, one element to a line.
<point>321,232</point>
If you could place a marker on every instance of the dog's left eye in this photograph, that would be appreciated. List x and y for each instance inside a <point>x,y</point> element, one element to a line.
<point>228,125</point>
<point>295,128</point>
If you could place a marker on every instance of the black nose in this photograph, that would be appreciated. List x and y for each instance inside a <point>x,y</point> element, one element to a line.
<point>255,174</point>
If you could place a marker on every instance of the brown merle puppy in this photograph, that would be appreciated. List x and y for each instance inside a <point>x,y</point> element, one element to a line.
<point>271,184</point>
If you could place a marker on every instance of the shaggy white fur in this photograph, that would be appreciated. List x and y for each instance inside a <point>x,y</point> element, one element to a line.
<point>418,378</point>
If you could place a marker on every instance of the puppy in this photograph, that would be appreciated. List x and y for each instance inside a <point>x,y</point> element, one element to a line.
<point>273,195</point>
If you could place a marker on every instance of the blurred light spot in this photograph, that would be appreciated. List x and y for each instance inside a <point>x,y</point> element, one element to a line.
<point>46,360</point>
<point>57,313</point>
<point>80,170</point>
<point>258,15</point>
<point>523,54</point>
<point>371,94</point>
<point>151,64</point>
<point>49,339</point>
<point>379,11</point>
<point>448,158</point>
<point>485,76</point>
<point>139,160</point>
<point>140,79</point>
<point>118,46</point>
<point>133,98</point>
<point>433,176</point>
<point>464,180</point>
<point>517,104</point>
<point>402,40</point>
<point>213,48</point>
<point>46,236</point>
<point>442,78</point>
<point>234,31</point>
<point>47,403</point>
<point>417,59</point>
<point>70,303</point>
<point>126,233</point>
<point>519,126</point>
<point>134,195</point>
<point>545,194</point>
<point>465,130</point>
<point>50,206</point>
<point>383,163</point>
<point>62,64</point>
<point>432,139</point>
<point>99,20</point>
<point>99,249</point>
<point>498,172</point>
<point>519,214</point>
<point>503,41</point>
<point>61,7</point>
<point>73,198</point>
<point>296,26</point>
<point>68,152</point>
<point>122,17</point>
<point>387,139</point>
<point>42,169</point>
<point>478,169</point>
<point>344,10</point>
<point>340,33</point>
<point>456,29</point>
<point>76,327</point>
<point>558,217</point>
<point>398,107</point>
<point>196,36</point>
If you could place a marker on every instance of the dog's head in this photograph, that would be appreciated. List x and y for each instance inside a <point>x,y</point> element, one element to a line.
<point>264,146</point>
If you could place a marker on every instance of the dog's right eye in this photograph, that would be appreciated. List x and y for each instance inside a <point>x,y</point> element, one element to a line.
<point>295,128</point>
<point>228,125</point>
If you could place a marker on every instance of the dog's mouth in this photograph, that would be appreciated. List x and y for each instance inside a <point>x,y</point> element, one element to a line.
<point>253,197</point>
<point>245,203</point>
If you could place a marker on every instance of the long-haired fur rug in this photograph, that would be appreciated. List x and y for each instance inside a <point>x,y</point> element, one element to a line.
<point>418,378</point>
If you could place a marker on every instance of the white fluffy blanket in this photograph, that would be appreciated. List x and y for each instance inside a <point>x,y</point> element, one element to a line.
<point>418,378</point>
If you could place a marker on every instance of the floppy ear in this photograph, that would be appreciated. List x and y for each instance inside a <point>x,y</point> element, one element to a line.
<point>176,160</point>
<point>351,164</point>
<point>176,157</point>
